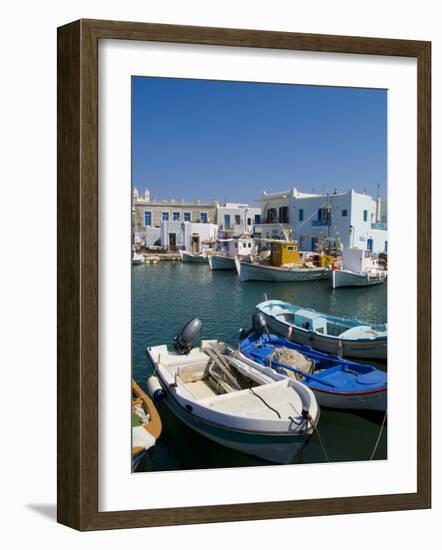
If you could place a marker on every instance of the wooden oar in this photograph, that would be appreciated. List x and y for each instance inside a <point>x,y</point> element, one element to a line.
<point>219,360</point>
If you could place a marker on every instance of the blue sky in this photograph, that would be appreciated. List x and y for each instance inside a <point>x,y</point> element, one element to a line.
<point>232,140</point>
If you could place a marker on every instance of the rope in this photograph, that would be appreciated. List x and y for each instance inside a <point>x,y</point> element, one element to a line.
<point>322,445</point>
<point>315,427</point>
<point>379,436</point>
<point>265,403</point>
<point>156,364</point>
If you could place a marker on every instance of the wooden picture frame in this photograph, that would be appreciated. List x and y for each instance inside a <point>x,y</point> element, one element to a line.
<point>78,273</point>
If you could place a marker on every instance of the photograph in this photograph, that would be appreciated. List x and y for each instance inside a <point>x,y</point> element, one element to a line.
<point>259,251</point>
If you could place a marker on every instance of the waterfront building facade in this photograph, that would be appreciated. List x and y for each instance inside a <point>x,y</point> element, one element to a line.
<point>354,218</point>
<point>149,213</point>
<point>180,235</point>
<point>237,218</point>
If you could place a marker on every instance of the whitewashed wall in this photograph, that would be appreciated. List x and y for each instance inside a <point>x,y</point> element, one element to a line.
<point>184,231</point>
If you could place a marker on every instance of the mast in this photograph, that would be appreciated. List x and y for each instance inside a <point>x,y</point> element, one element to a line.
<point>328,221</point>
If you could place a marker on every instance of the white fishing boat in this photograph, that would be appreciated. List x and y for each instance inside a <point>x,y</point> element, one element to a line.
<point>327,333</point>
<point>217,261</point>
<point>358,269</point>
<point>234,401</point>
<point>137,259</point>
<point>284,264</point>
<point>189,257</point>
<point>227,249</point>
<point>259,272</point>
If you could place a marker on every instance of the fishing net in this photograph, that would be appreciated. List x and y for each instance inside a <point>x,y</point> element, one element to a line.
<point>292,358</point>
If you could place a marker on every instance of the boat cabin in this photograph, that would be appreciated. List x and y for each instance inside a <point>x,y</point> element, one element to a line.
<point>310,320</point>
<point>235,247</point>
<point>285,252</point>
<point>357,260</point>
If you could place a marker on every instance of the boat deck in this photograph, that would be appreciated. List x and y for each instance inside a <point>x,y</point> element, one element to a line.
<point>200,389</point>
<point>278,396</point>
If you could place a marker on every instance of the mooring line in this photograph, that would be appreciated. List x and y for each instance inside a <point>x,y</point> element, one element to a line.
<point>315,427</point>
<point>379,436</point>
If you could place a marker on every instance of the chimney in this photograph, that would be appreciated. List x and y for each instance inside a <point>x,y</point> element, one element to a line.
<point>378,209</point>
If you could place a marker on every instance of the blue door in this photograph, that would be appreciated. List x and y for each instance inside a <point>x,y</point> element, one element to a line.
<point>370,245</point>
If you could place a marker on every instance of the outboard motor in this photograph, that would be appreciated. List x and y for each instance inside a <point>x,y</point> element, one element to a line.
<point>259,327</point>
<point>259,324</point>
<point>184,339</point>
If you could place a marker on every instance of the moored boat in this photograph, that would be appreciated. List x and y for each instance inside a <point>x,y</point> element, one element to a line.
<point>189,257</point>
<point>324,332</point>
<point>226,250</point>
<point>146,424</point>
<point>218,261</point>
<point>336,383</point>
<point>359,268</point>
<point>249,271</point>
<point>137,259</point>
<point>284,264</point>
<point>235,402</point>
<point>343,277</point>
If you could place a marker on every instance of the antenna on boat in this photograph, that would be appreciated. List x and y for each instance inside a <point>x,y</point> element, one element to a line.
<point>265,297</point>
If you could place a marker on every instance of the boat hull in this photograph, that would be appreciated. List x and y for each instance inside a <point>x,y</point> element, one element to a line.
<point>136,459</point>
<point>221,263</point>
<point>153,428</point>
<point>256,272</point>
<point>365,349</point>
<point>275,448</point>
<point>369,401</point>
<point>338,384</point>
<point>342,278</point>
<point>187,257</point>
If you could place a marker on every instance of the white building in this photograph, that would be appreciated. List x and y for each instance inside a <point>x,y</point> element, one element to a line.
<point>151,236</point>
<point>186,235</point>
<point>353,217</point>
<point>237,218</point>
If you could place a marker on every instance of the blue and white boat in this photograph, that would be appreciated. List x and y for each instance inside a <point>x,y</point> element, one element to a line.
<point>337,383</point>
<point>234,401</point>
<point>324,332</point>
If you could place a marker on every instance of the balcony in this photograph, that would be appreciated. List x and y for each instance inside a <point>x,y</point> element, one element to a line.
<point>379,225</point>
<point>319,223</point>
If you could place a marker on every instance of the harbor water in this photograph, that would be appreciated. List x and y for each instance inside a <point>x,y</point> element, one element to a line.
<point>168,294</point>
